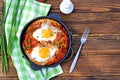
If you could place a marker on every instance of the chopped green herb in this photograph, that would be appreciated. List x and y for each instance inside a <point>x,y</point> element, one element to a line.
<point>37,36</point>
<point>55,52</point>
<point>31,36</point>
<point>57,43</point>
<point>28,41</point>
<point>33,28</point>
<point>27,31</point>
<point>62,46</point>
<point>29,47</point>
<point>51,34</point>
<point>63,40</point>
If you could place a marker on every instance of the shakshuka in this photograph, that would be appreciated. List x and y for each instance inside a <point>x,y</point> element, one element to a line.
<point>45,42</point>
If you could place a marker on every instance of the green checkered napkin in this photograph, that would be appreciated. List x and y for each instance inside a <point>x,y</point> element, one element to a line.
<point>26,10</point>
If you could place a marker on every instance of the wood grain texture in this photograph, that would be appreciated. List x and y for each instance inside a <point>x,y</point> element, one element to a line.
<point>100,56</point>
<point>92,6</point>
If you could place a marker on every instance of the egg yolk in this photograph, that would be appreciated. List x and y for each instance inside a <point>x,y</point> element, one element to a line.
<point>47,33</point>
<point>44,52</point>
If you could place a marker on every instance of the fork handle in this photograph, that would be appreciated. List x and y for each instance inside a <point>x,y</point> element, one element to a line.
<point>75,59</point>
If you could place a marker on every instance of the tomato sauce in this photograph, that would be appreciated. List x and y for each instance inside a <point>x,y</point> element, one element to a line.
<point>61,41</point>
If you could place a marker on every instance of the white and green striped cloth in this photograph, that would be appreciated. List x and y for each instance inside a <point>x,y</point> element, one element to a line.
<point>26,10</point>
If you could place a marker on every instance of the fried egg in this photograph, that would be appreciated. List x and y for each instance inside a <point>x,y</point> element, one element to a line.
<point>45,33</point>
<point>41,54</point>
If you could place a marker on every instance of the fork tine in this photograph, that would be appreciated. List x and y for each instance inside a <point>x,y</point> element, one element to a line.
<point>86,32</point>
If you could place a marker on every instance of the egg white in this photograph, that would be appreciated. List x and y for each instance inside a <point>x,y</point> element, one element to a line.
<point>35,54</point>
<point>38,33</point>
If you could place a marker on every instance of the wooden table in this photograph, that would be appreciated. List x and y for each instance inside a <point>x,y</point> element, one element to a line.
<point>100,56</point>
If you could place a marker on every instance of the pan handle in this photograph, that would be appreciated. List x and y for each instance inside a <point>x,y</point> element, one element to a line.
<point>71,38</point>
<point>69,56</point>
<point>34,66</point>
<point>55,16</point>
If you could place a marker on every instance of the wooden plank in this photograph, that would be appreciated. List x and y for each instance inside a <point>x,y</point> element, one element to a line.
<point>95,53</point>
<point>10,78</point>
<point>88,65</point>
<point>99,44</point>
<point>94,65</point>
<point>88,78</point>
<point>100,56</point>
<point>107,23</point>
<point>77,78</point>
<point>89,6</point>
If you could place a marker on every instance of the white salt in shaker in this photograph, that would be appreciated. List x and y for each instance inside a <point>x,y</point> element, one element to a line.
<point>66,6</point>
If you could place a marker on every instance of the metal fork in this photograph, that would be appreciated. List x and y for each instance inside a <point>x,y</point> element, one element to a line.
<point>83,40</point>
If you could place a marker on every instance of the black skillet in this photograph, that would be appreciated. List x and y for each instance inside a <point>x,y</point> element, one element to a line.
<point>69,53</point>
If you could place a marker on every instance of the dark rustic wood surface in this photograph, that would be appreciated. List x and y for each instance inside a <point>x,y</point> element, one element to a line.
<point>100,56</point>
